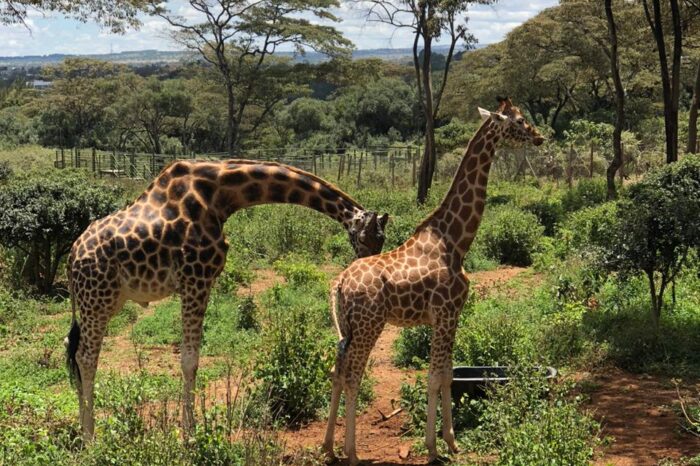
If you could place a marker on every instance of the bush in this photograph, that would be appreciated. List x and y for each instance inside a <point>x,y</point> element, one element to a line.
<point>588,229</point>
<point>233,275</point>
<point>42,216</point>
<point>299,272</point>
<point>510,235</point>
<point>549,213</point>
<point>586,193</point>
<point>658,227</point>
<point>412,348</point>
<point>530,422</point>
<point>299,351</point>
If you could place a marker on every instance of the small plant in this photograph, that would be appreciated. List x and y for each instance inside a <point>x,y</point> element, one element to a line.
<point>412,348</point>
<point>529,422</point>
<point>294,370</point>
<point>510,235</point>
<point>586,193</point>
<point>299,273</point>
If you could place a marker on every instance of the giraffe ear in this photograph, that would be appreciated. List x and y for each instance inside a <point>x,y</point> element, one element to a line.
<point>485,114</point>
<point>383,219</point>
<point>495,116</point>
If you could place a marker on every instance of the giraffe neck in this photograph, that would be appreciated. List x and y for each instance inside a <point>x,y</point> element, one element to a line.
<point>222,188</point>
<point>457,218</point>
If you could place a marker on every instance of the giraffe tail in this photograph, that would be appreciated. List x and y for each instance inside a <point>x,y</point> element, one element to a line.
<point>73,339</point>
<point>334,299</point>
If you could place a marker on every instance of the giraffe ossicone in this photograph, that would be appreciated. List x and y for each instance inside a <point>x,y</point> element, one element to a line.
<point>420,282</point>
<point>170,240</point>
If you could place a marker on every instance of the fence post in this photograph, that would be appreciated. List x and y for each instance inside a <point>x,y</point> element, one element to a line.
<point>132,165</point>
<point>94,160</point>
<point>351,158</point>
<point>413,168</point>
<point>591,162</point>
<point>113,159</point>
<point>391,164</point>
<point>359,170</point>
<point>340,166</point>
<point>313,155</point>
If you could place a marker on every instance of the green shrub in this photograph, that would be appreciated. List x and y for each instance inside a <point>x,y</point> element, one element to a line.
<point>549,213</point>
<point>164,327</point>
<point>235,274</point>
<point>658,228</point>
<point>44,213</point>
<point>589,229</point>
<point>586,193</point>
<point>412,348</point>
<point>510,235</point>
<point>299,272</point>
<point>230,327</point>
<point>530,422</point>
<point>293,371</point>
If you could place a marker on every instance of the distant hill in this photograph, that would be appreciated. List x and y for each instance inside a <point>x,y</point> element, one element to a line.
<point>159,56</point>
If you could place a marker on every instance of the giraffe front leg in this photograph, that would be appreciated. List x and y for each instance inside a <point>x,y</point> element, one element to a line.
<point>193,307</point>
<point>439,383</point>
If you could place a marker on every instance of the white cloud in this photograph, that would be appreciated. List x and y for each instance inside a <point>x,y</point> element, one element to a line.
<point>53,34</point>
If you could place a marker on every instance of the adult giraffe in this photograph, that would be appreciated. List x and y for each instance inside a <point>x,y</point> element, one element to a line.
<point>420,282</point>
<point>170,240</point>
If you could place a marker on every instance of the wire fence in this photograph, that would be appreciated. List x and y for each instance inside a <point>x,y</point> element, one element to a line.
<point>394,162</point>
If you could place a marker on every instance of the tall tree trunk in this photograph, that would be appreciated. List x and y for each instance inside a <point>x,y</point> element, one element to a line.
<point>427,165</point>
<point>670,80</point>
<point>693,117</point>
<point>676,75</point>
<point>231,120</point>
<point>616,162</point>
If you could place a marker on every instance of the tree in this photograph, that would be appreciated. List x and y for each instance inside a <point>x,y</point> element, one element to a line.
<point>74,110</point>
<point>658,228</point>
<point>43,215</point>
<point>670,79</point>
<point>151,110</point>
<point>428,20</point>
<point>237,37</point>
<point>117,15</point>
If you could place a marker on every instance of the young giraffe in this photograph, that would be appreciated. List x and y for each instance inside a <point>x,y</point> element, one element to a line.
<point>170,240</point>
<point>420,282</point>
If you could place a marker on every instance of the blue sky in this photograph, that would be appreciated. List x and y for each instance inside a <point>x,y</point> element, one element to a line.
<point>54,34</point>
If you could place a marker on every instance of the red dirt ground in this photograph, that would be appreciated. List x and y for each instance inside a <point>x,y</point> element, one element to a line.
<point>637,410</point>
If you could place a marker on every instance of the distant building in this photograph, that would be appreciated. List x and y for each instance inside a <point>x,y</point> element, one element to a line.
<point>40,84</point>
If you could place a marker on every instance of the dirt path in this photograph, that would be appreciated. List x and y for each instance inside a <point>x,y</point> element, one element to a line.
<point>637,410</point>
<point>384,443</point>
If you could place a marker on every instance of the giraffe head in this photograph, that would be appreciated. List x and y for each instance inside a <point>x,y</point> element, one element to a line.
<point>512,123</point>
<point>367,233</point>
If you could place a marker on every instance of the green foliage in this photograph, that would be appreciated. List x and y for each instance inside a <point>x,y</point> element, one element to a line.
<point>588,229</point>
<point>234,275</point>
<point>510,235</point>
<point>412,348</point>
<point>453,136</point>
<point>230,327</point>
<point>164,327</point>
<point>658,227</point>
<point>43,214</point>
<point>299,273</point>
<point>549,213</point>
<point>294,368</point>
<point>586,193</point>
<point>528,422</point>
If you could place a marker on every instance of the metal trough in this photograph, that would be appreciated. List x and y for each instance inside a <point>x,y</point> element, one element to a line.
<point>471,380</point>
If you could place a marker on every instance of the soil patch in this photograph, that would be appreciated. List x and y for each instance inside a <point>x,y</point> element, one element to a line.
<point>637,410</point>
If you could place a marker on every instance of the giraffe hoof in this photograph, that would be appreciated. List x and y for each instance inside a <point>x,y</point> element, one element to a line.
<point>439,460</point>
